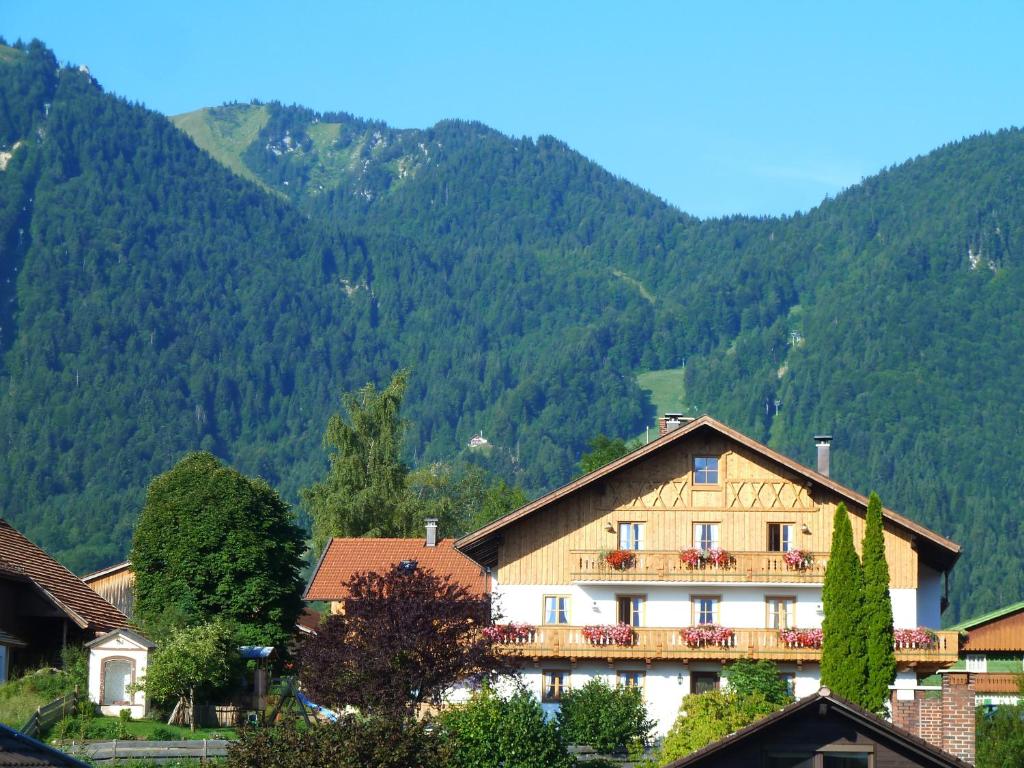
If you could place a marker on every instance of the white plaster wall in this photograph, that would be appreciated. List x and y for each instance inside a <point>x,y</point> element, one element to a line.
<point>904,608</point>
<point>119,647</point>
<point>929,597</point>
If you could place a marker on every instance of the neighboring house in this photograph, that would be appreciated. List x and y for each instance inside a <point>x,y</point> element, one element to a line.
<point>994,651</point>
<point>17,750</point>
<point>43,606</point>
<point>116,585</point>
<point>756,528</point>
<point>344,557</point>
<point>823,731</point>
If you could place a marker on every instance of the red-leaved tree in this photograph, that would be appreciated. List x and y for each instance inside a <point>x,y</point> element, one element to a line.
<point>405,638</point>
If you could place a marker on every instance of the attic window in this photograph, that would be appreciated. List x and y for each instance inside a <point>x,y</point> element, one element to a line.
<point>705,470</point>
<point>407,566</point>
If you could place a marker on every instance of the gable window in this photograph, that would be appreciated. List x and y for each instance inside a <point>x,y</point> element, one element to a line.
<point>705,470</point>
<point>631,535</point>
<point>630,679</point>
<point>702,682</point>
<point>556,609</point>
<point>781,537</point>
<point>555,682</point>
<point>705,609</point>
<point>780,612</point>
<point>705,535</point>
<point>977,662</point>
<point>630,609</point>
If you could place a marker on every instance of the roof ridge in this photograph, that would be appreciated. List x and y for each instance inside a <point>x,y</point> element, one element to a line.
<point>985,617</point>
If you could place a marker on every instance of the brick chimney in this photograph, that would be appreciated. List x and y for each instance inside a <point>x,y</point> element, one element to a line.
<point>943,718</point>
<point>824,445</point>
<point>431,523</point>
<point>671,422</point>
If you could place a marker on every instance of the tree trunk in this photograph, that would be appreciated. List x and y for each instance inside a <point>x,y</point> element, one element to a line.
<point>192,702</point>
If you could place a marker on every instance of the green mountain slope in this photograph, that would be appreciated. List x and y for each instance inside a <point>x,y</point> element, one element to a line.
<point>152,301</point>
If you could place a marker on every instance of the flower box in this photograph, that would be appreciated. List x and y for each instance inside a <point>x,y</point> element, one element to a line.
<point>707,635</point>
<point>801,638</point>
<point>609,634</point>
<point>691,558</point>
<point>509,633</point>
<point>798,559</point>
<point>700,558</point>
<point>921,637</point>
<point>620,559</point>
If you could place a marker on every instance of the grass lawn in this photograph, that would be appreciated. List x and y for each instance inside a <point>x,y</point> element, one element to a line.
<point>668,392</point>
<point>101,728</point>
<point>21,697</point>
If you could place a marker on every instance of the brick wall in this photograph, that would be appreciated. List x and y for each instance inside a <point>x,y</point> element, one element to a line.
<point>945,719</point>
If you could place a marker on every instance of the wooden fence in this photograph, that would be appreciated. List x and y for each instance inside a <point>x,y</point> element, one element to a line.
<point>48,714</point>
<point>157,751</point>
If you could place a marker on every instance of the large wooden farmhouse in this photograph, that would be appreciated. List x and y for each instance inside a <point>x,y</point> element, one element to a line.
<point>711,547</point>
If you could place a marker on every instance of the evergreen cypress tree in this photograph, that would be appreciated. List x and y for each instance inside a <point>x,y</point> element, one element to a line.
<point>843,656</point>
<point>881,669</point>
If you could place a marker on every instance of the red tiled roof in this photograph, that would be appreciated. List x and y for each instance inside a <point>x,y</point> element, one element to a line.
<point>20,557</point>
<point>343,558</point>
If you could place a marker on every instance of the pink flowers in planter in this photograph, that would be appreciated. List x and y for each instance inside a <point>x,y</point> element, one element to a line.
<point>609,634</point>
<point>801,638</point>
<point>798,559</point>
<point>620,559</point>
<point>707,634</point>
<point>921,637</point>
<point>698,558</point>
<point>509,633</point>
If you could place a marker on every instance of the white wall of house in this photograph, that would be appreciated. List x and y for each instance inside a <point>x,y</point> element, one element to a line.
<point>115,663</point>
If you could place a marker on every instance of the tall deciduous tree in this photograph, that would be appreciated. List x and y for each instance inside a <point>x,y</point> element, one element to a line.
<point>364,493</point>
<point>212,543</point>
<point>843,667</point>
<point>881,660</point>
<point>406,637</point>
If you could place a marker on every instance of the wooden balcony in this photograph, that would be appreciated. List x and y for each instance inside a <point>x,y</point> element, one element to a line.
<point>653,643</point>
<point>661,565</point>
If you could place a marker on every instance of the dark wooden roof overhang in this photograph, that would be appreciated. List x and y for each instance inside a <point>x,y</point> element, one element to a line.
<point>482,544</point>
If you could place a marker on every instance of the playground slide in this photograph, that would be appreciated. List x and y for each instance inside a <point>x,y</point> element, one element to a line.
<point>316,708</point>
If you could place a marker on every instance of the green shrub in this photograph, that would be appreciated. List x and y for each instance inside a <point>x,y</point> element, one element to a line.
<point>490,731</point>
<point>747,677</point>
<point>162,733</point>
<point>709,717</point>
<point>605,718</point>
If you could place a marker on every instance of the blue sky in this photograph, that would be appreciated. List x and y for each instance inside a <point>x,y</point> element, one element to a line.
<point>719,108</point>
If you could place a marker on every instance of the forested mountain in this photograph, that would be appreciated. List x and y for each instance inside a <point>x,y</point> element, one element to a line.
<point>154,300</point>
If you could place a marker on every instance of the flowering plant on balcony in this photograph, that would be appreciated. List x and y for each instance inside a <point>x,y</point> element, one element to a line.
<point>921,637</point>
<point>707,634</point>
<point>691,558</point>
<point>801,638</point>
<point>718,557</point>
<point>620,559</point>
<point>609,634</point>
<point>509,633</point>
<point>798,559</point>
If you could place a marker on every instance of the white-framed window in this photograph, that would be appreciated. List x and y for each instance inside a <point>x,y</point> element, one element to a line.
<point>780,612</point>
<point>630,679</point>
<point>705,535</point>
<point>555,682</point>
<point>781,537</point>
<point>705,470</point>
<point>631,535</point>
<point>977,662</point>
<point>630,609</point>
<point>705,609</point>
<point>556,609</point>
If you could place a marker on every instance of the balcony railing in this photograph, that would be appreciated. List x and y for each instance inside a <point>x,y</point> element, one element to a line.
<point>661,565</point>
<point>668,643</point>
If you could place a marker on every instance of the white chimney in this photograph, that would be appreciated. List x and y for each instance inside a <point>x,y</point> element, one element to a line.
<point>824,444</point>
<point>431,523</point>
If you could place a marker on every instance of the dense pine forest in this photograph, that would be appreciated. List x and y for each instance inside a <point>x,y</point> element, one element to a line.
<point>217,281</point>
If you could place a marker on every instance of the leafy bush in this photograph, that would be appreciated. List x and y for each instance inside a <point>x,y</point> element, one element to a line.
<point>495,732</point>
<point>707,717</point>
<point>605,718</point>
<point>1000,737</point>
<point>748,677</point>
<point>162,733</point>
<point>352,742</point>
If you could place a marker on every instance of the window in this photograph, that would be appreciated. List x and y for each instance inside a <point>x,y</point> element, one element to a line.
<point>702,682</point>
<point>556,609</point>
<point>630,608</point>
<point>629,679</point>
<point>977,662</point>
<point>705,609</point>
<point>555,682</point>
<point>789,678</point>
<point>118,674</point>
<point>846,760</point>
<point>833,756</point>
<point>781,537</point>
<point>705,535</point>
<point>705,470</point>
<point>780,612</point>
<point>631,535</point>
